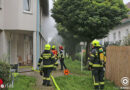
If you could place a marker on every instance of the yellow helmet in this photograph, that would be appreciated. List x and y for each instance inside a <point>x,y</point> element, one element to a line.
<point>53,47</point>
<point>96,43</point>
<point>47,47</point>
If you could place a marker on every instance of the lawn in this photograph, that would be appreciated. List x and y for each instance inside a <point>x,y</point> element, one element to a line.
<point>79,80</point>
<point>23,83</point>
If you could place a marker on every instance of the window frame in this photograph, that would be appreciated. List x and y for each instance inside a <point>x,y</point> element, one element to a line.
<point>29,11</point>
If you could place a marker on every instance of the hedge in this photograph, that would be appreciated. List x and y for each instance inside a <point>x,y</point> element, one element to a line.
<point>5,72</point>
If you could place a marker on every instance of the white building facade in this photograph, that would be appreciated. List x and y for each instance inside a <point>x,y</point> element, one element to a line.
<point>118,34</point>
<point>18,31</point>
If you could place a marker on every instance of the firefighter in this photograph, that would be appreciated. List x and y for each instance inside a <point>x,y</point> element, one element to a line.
<point>54,51</point>
<point>61,58</point>
<point>47,58</point>
<point>96,64</point>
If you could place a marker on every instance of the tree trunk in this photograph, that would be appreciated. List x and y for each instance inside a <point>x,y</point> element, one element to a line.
<point>73,51</point>
<point>87,52</point>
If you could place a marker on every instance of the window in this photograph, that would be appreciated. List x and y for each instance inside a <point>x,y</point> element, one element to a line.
<point>0,4</point>
<point>119,35</point>
<point>127,32</point>
<point>114,37</point>
<point>27,5</point>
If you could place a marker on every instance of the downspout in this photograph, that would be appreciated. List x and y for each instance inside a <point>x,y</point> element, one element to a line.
<point>38,29</point>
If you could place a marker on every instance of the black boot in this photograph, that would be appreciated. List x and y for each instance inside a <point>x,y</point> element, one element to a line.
<point>101,87</point>
<point>48,83</point>
<point>44,82</point>
<point>96,87</point>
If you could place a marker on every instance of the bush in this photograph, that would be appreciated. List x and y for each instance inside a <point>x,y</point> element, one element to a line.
<point>5,72</point>
<point>126,41</point>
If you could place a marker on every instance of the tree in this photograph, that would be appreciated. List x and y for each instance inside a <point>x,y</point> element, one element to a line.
<point>70,40</point>
<point>89,19</point>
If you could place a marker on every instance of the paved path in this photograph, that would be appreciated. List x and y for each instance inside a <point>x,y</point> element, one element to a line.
<point>38,85</point>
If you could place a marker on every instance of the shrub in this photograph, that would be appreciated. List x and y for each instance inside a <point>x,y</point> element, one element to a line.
<point>126,41</point>
<point>5,72</point>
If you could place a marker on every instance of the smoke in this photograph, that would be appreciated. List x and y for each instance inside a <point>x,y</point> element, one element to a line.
<point>48,28</point>
<point>126,1</point>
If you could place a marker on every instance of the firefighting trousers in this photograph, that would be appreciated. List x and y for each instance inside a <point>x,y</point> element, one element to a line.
<point>98,77</point>
<point>46,75</point>
<point>56,63</point>
<point>62,64</point>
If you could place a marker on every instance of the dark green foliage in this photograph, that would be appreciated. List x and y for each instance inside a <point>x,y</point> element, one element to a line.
<point>89,19</point>
<point>5,72</point>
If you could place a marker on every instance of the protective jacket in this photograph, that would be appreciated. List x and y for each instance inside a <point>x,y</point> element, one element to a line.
<point>61,58</point>
<point>96,58</point>
<point>61,55</point>
<point>55,53</point>
<point>48,59</point>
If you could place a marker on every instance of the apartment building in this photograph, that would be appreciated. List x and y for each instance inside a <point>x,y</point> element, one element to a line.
<point>21,39</point>
<point>118,34</point>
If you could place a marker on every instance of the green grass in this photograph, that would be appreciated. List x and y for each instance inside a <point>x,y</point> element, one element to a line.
<point>79,80</point>
<point>23,83</point>
<point>74,66</point>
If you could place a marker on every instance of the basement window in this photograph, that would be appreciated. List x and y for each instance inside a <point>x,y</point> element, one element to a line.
<point>27,5</point>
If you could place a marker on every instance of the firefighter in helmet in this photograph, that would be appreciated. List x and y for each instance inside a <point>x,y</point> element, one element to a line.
<point>61,58</point>
<point>96,65</point>
<point>54,51</point>
<point>47,58</point>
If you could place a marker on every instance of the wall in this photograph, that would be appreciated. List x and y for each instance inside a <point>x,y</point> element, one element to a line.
<point>1,14</point>
<point>20,49</point>
<point>13,17</point>
<point>27,20</point>
<point>4,49</point>
<point>11,14</point>
<point>1,44</point>
<point>13,51</point>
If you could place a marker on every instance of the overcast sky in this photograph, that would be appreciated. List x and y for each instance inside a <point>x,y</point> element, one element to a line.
<point>126,1</point>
